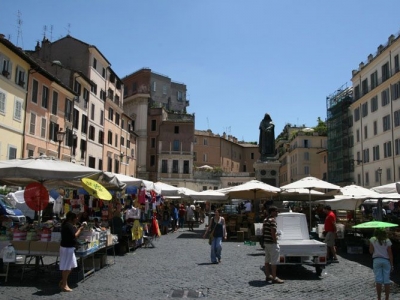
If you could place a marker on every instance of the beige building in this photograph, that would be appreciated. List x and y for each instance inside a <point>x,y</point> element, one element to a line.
<point>14,68</point>
<point>376,116</point>
<point>300,153</point>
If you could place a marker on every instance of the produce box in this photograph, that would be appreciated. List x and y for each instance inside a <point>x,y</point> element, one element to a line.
<point>37,247</point>
<point>21,247</point>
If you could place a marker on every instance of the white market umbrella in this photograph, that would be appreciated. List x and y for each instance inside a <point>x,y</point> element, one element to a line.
<point>301,195</point>
<point>206,167</point>
<point>166,189</point>
<point>310,183</point>
<point>46,170</point>
<point>209,195</point>
<point>385,189</point>
<point>251,190</point>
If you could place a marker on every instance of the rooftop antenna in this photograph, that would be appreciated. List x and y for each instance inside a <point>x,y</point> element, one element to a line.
<point>51,33</point>
<point>44,31</point>
<point>69,29</point>
<point>19,26</point>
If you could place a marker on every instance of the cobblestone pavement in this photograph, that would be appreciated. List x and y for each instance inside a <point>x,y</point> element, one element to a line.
<point>181,263</point>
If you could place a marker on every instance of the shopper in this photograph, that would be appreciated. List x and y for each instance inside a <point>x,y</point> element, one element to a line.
<point>218,228</point>
<point>182,214</point>
<point>271,246</point>
<point>69,233</point>
<point>330,233</point>
<point>190,217</point>
<point>381,250</point>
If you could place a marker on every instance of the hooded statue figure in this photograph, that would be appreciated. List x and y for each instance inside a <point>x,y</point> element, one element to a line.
<point>267,138</point>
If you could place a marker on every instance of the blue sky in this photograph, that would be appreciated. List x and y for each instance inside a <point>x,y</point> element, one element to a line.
<point>239,59</point>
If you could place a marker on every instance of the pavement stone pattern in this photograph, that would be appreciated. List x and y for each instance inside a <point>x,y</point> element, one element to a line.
<point>180,264</point>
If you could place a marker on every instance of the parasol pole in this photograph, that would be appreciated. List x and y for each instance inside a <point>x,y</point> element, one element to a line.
<point>309,201</point>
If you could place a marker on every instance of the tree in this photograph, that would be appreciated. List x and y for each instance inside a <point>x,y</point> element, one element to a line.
<point>321,127</point>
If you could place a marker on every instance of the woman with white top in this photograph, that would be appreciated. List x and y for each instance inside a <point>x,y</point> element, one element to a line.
<point>380,248</point>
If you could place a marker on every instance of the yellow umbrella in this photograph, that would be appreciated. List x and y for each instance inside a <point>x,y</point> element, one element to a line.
<point>96,189</point>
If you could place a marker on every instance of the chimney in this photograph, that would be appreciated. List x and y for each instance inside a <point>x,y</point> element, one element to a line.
<point>370,57</point>
<point>390,39</point>
<point>37,48</point>
<point>380,48</point>
<point>361,65</point>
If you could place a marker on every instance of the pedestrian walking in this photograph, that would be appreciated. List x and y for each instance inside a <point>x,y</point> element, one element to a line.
<point>218,228</point>
<point>69,233</point>
<point>190,217</point>
<point>271,246</point>
<point>182,214</point>
<point>381,250</point>
<point>330,233</point>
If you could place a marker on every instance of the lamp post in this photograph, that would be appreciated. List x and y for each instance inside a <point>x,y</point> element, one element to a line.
<point>121,157</point>
<point>380,175</point>
<point>379,206</point>
<point>60,138</point>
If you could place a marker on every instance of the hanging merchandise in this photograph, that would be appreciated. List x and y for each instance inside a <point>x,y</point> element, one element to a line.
<point>58,205</point>
<point>155,228</point>
<point>142,195</point>
<point>137,230</point>
<point>9,254</point>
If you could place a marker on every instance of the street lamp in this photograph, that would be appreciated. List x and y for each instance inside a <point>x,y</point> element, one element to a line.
<point>60,138</point>
<point>121,157</point>
<point>380,175</point>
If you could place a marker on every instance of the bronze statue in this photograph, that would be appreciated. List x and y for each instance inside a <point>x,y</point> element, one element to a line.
<point>267,138</point>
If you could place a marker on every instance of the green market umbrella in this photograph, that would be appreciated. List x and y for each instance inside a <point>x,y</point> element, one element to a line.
<point>375,224</point>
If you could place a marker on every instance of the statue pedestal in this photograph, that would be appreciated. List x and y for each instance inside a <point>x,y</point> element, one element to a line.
<point>268,171</point>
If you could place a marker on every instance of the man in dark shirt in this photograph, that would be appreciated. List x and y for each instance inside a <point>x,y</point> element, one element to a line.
<point>271,245</point>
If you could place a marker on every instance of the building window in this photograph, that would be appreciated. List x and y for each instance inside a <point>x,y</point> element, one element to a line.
<point>387,149</point>
<point>154,86</point>
<point>43,128</point>
<point>306,157</point>
<point>117,118</point>
<point>100,164</point>
<point>385,97</point>
<point>92,133</point>
<point>111,114</point>
<point>94,63</point>
<point>54,103</point>
<point>366,155</point>
<point>35,91</point>
<point>12,152</point>
<point>109,164</point>
<point>109,137</point>
<point>396,91</point>
<point>386,123</point>
<point>84,124</point>
<point>205,142</point>
<point>153,125</point>
<point>365,86</point>
<point>175,166</point>
<point>385,72</point>
<point>375,127</point>
<point>92,110</point>
<point>116,140</point>
<point>153,142</point>
<point>356,114</point>
<point>366,178</point>
<point>17,109</point>
<point>175,145</point>
<point>397,146</point>
<point>388,174</point>
<point>375,153</point>
<point>68,109</point>
<point>176,129</point>
<point>365,109</point>
<point>396,63</point>
<point>92,162</point>
<point>396,117</point>
<point>77,89</point>
<point>45,97</point>
<point>179,96</point>
<point>2,102</point>
<point>101,137</point>
<point>93,89</point>
<point>374,80</point>
<point>185,167</point>
<point>32,125</point>
<point>164,90</point>
<point>103,73</point>
<point>85,97</point>
<point>164,166</point>
<point>152,160</point>
<point>76,119</point>
<point>205,157</point>
<point>102,117</point>
<point>20,77</point>
<point>365,132</point>
<point>374,103</point>
<point>358,135</point>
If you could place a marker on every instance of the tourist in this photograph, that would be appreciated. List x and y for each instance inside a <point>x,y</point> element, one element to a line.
<point>330,233</point>
<point>380,248</point>
<point>217,228</point>
<point>182,214</point>
<point>69,233</point>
